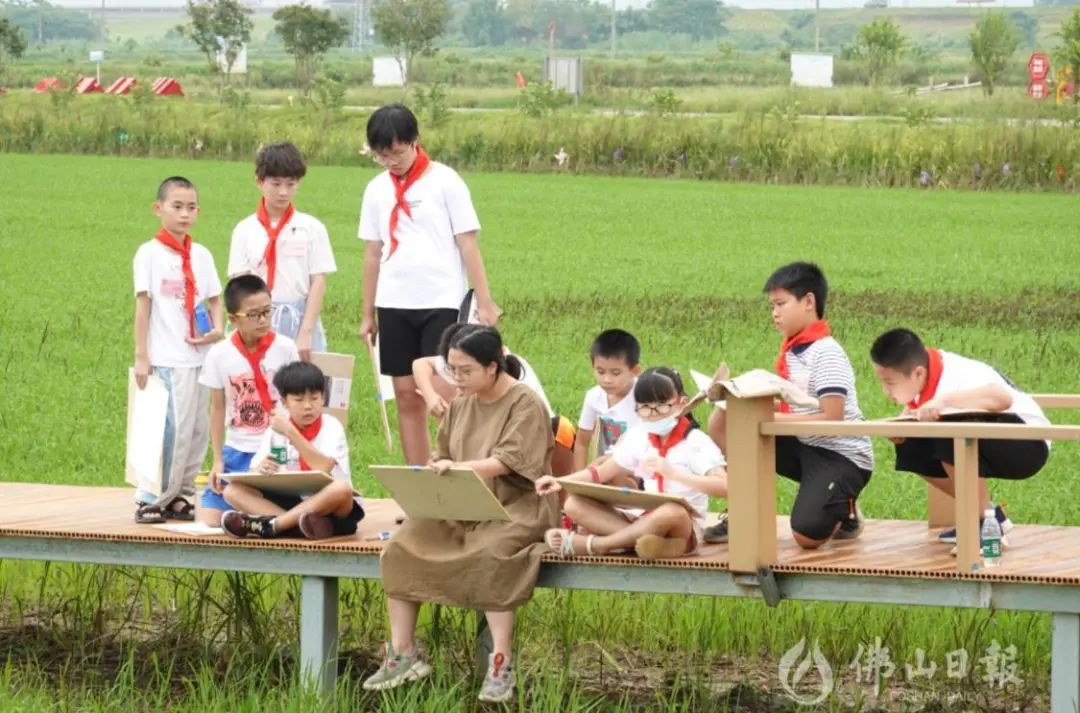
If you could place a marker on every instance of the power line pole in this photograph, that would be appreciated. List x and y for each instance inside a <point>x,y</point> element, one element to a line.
<point>613,29</point>
<point>817,26</point>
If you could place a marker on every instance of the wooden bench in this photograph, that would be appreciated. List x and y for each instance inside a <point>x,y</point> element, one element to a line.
<point>895,562</point>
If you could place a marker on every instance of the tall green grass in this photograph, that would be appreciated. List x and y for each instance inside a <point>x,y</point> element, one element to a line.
<point>680,263</point>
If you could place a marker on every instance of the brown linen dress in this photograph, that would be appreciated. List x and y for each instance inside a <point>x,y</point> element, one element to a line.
<point>482,565</point>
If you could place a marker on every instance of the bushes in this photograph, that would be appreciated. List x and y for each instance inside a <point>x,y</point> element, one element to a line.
<point>775,145</point>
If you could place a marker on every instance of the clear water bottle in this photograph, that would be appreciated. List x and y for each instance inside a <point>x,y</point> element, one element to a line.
<point>990,538</point>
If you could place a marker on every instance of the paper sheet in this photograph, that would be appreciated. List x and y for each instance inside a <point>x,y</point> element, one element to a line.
<point>190,528</point>
<point>147,409</point>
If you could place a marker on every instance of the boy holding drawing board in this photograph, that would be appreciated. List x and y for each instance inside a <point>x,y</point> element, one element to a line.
<point>667,453</point>
<point>316,441</point>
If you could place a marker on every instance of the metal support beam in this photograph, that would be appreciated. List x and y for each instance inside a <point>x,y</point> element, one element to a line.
<point>1065,664</point>
<point>319,632</point>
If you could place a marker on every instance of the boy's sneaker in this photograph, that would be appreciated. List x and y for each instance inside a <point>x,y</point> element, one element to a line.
<point>241,525</point>
<point>851,527</point>
<point>316,527</point>
<point>498,684</point>
<point>397,669</point>
<point>717,534</point>
<point>948,536</point>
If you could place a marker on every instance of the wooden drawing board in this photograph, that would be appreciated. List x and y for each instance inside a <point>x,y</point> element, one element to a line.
<point>960,415</point>
<point>624,497</point>
<point>286,482</point>
<point>457,494</point>
<point>338,370</point>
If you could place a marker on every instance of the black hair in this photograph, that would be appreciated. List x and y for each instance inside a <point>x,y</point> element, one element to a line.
<point>240,288</point>
<point>298,378</point>
<point>899,349</point>
<point>280,160</point>
<point>615,344</point>
<point>390,123</point>
<point>484,344</point>
<point>173,182</point>
<point>801,279</point>
<point>660,384</point>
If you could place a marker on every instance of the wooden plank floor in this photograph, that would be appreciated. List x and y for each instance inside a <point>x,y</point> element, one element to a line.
<point>888,548</point>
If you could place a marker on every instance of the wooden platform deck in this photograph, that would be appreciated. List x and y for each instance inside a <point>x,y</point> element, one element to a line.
<point>1038,554</point>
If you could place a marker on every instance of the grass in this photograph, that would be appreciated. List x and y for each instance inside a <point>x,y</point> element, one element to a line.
<point>679,263</point>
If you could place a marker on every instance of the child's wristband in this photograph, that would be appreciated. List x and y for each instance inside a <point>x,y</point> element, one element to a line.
<point>594,474</point>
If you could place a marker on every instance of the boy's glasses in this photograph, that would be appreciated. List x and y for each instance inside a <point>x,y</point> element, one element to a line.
<point>646,410</point>
<point>256,315</point>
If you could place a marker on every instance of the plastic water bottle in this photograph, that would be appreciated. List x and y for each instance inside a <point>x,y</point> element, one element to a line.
<point>279,448</point>
<point>991,539</point>
<point>202,320</point>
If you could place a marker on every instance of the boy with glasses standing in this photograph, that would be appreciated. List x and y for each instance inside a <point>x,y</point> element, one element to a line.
<point>239,373</point>
<point>419,226</point>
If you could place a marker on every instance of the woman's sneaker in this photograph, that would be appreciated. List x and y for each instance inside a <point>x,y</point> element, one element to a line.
<point>397,669</point>
<point>498,684</point>
<point>948,536</point>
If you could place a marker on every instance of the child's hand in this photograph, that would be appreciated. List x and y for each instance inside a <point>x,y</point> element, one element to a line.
<point>142,371</point>
<point>655,463</point>
<point>268,466</point>
<point>280,422</point>
<point>436,405</point>
<point>214,335</point>
<point>929,411</point>
<point>214,477</point>
<point>303,345</point>
<point>546,484</point>
<point>488,313</point>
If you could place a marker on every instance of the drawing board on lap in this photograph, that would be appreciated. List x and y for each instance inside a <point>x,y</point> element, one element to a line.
<point>457,494</point>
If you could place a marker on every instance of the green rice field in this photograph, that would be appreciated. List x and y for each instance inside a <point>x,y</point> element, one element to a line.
<point>680,264</point>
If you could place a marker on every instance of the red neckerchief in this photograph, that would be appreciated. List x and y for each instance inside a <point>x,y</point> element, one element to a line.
<point>818,329</point>
<point>401,185</point>
<point>254,359</point>
<point>166,238</point>
<point>270,255</point>
<point>309,435</point>
<point>677,435</point>
<point>933,378</point>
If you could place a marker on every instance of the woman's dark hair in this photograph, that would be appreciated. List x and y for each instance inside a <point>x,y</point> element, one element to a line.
<point>484,344</point>
<point>660,384</point>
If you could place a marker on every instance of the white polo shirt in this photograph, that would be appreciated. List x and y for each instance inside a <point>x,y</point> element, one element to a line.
<point>426,271</point>
<point>303,250</point>
<point>226,368</point>
<point>330,442</point>
<point>608,423</point>
<point>962,374</point>
<point>158,273</point>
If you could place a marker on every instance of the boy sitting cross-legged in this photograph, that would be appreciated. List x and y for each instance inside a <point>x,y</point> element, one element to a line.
<point>316,442</point>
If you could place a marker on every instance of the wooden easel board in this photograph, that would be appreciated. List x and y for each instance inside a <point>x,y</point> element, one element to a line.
<point>338,370</point>
<point>954,415</point>
<point>623,497</point>
<point>290,482</point>
<point>455,495</point>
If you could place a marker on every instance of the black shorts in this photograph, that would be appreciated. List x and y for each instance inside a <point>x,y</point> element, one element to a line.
<point>342,525</point>
<point>405,335</point>
<point>1008,460</point>
<point>829,483</point>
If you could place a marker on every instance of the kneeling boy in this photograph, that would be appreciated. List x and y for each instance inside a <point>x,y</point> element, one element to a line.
<point>316,442</point>
<point>929,381</point>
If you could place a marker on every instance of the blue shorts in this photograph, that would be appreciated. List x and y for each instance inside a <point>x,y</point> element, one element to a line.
<point>235,462</point>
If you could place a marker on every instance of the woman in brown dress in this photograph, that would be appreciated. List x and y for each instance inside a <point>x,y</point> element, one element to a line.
<point>500,429</point>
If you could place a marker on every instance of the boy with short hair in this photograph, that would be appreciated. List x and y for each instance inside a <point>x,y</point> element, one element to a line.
<point>316,442</point>
<point>173,331</point>
<point>419,225</point>
<point>290,250</point>
<point>930,382</point>
<point>831,472</point>
<point>239,373</point>
<point>609,409</point>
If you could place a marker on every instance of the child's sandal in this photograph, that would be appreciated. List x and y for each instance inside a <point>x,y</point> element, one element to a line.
<point>180,509</point>
<point>148,514</point>
<point>565,547</point>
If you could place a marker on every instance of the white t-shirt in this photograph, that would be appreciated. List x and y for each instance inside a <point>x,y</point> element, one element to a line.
<point>159,274</point>
<point>695,454</point>
<point>303,250</point>
<point>426,271</point>
<point>330,441</point>
<point>226,368</point>
<point>962,374</point>
<point>528,377</point>
<point>608,423</point>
